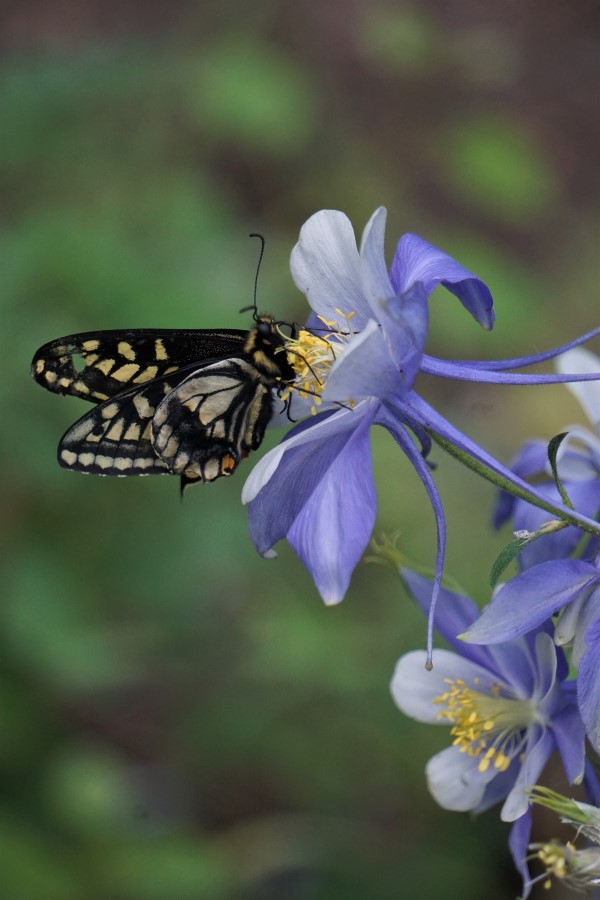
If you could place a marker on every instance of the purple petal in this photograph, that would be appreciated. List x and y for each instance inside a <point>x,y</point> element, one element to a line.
<point>325,266</point>
<point>585,496</point>
<point>397,430</point>
<point>588,685</point>
<point>455,613</point>
<point>417,260</point>
<point>530,598</point>
<point>518,362</point>
<point>430,419</point>
<point>518,844</point>
<point>322,497</point>
<point>445,368</point>
<point>530,460</point>
<point>569,734</point>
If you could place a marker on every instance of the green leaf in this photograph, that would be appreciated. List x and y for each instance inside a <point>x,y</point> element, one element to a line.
<point>553,446</point>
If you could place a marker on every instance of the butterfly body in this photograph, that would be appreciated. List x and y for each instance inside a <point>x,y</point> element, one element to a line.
<point>188,403</point>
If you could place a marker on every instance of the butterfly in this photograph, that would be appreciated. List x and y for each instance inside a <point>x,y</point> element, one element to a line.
<point>189,403</point>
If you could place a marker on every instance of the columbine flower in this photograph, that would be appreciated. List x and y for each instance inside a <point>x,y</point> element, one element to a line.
<point>578,465</point>
<point>568,586</point>
<point>508,709</point>
<point>357,363</point>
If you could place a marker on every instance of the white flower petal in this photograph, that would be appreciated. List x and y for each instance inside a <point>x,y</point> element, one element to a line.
<point>325,266</point>
<point>454,780</point>
<point>365,369</point>
<point>414,688</point>
<point>375,280</point>
<point>587,392</point>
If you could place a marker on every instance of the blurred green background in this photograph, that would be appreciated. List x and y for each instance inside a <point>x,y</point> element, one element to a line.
<point>179,719</point>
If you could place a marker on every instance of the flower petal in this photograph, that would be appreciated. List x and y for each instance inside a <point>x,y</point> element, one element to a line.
<point>375,281</point>
<point>364,370</point>
<point>454,780</point>
<point>518,844</point>
<point>335,521</point>
<point>317,490</point>
<point>540,745</point>
<point>414,688</point>
<point>531,459</point>
<point>417,260</point>
<point>317,428</point>
<point>405,320</point>
<point>588,686</point>
<point>580,360</point>
<point>530,598</point>
<point>325,266</point>
<point>569,734</point>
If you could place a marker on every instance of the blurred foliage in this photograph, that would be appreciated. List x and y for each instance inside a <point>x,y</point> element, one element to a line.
<point>178,718</point>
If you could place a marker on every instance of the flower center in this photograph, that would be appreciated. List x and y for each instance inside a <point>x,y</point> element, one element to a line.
<point>311,356</point>
<point>485,725</point>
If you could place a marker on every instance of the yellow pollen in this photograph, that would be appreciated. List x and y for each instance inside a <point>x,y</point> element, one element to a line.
<point>311,356</point>
<point>485,725</point>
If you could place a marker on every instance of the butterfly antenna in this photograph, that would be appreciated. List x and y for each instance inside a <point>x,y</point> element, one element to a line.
<point>254,307</point>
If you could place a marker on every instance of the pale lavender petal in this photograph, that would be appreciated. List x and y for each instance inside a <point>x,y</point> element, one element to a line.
<point>375,281</point>
<point>454,780</point>
<point>414,688</point>
<point>364,370</point>
<point>418,260</point>
<point>518,844</point>
<point>588,394</point>
<point>540,745</point>
<point>405,320</point>
<point>588,686</point>
<point>527,600</point>
<point>325,266</point>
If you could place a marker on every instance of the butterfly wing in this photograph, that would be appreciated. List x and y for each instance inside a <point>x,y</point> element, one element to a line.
<point>198,423</point>
<point>212,420</point>
<point>114,360</point>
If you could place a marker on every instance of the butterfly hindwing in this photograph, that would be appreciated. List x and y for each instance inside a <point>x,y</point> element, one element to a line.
<point>114,360</point>
<point>203,428</point>
<point>115,437</point>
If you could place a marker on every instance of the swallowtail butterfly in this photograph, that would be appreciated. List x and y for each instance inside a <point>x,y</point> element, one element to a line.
<point>187,403</point>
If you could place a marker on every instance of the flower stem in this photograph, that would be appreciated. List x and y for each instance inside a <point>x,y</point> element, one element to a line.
<point>516,488</point>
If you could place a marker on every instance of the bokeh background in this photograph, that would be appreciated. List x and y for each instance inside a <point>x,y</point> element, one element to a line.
<point>179,719</point>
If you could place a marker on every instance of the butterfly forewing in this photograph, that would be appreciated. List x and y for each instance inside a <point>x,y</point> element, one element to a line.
<point>111,361</point>
<point>204,427</point>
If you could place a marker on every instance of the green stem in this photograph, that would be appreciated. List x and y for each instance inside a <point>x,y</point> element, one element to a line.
<point>511,487</point>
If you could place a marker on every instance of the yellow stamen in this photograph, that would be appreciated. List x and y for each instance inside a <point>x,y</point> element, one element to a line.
<point>485,725</point>
<point>312,355</point>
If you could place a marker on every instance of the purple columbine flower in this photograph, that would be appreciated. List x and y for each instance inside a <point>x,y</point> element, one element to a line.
<point>357,362</point>
<point>568,586</point>
<point>578,466</point>
<point>508,707</point>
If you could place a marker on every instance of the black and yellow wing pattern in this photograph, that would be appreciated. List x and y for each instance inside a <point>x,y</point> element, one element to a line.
<point>190,403</point>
